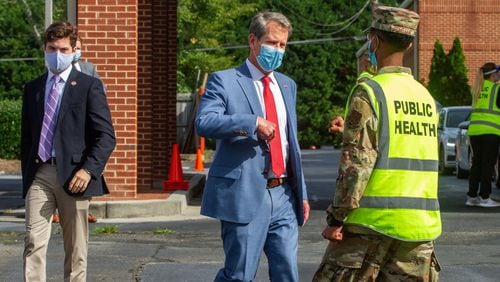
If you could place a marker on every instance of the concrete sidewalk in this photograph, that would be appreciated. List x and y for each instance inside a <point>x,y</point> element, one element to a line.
<point>161,208</point>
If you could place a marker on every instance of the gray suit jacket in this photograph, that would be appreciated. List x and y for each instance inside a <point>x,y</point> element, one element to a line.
<point>88,68</point>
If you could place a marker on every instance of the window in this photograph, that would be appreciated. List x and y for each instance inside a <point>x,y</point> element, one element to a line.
<point>455,117</point>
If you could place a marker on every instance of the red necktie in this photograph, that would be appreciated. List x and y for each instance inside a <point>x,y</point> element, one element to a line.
<point>277,164</point>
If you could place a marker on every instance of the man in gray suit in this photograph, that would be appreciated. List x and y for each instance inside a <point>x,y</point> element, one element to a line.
<point>84,66</point>
<point>255,185</point>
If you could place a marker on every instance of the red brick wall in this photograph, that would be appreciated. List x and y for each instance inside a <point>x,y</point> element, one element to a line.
<point>109,31</point>
<point>475,22</point>
<point>133,45</point>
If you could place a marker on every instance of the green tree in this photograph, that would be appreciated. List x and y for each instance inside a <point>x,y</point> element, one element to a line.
<point>210,24</point>
<point>438,74</point>
<point>459,88</point>
<point>323,65</point>
<point>448,81</point>
<point>18,42</point>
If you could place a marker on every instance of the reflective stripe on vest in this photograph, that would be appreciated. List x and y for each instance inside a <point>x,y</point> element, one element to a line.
<point>364,76</point>
<point>400,199</point>
<point>485,117</point>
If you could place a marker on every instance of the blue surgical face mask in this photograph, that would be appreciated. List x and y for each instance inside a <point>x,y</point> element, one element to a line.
<point>371,55</point>
<point>270,57</point>
<point>78,54</point>
<point>57,62</point>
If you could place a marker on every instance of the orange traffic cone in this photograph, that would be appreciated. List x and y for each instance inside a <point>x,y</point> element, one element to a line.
<point>202,145</point>
<point>175,179</point>
<point>199,161</point>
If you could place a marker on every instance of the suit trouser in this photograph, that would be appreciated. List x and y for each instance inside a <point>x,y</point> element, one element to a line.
<point>44,196</point>
<point>274,230</point>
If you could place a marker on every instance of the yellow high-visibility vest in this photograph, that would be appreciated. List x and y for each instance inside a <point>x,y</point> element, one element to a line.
<point>400,199</point>
<point>485,117</point>
<point>364,76</point>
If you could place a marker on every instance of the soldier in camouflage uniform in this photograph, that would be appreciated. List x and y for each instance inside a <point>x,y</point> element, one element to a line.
<point>356,253</point>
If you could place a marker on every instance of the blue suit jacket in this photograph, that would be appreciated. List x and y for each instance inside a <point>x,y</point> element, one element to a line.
<point>236,181</point>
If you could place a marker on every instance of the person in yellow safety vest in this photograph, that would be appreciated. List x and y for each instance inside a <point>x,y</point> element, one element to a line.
<point>385,213</point>
<point>484,133</point>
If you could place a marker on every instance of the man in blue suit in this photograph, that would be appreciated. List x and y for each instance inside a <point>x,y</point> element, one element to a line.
<point>255,185</point>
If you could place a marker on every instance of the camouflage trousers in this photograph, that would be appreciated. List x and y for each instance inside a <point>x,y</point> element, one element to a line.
<point>360,257</point>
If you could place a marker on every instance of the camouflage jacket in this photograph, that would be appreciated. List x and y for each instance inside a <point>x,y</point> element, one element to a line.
<point>358,155</point>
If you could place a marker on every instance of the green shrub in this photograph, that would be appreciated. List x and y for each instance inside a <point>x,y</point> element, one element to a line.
<point>10,129</point>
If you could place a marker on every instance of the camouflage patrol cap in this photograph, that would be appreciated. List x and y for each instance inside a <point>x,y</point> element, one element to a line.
<point>397,20</point>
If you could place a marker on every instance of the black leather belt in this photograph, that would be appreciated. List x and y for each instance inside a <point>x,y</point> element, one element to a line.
<point>275,182</point>
<point>51,161</point>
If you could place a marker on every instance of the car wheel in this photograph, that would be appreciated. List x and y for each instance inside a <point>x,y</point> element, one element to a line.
<point>442,168</point>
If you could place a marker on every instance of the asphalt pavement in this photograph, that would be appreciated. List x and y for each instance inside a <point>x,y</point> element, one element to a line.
<point>188,247</point>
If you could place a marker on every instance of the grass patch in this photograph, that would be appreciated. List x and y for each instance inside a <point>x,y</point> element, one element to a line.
<point>106,229</point>
<point>163,231</point>
<point>11,234</point>
<point>10,238</point>
<point>9,241</point>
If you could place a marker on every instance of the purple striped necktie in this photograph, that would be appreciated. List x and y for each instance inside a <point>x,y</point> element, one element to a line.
<point>49,121</point>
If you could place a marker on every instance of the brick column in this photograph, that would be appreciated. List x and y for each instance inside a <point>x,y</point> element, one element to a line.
<point>164,84</point>
<point>157,91</point>
<point>145,94</point>
<point>109,31</point>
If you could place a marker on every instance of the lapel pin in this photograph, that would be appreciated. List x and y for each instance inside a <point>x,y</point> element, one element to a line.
<point>73,83</point>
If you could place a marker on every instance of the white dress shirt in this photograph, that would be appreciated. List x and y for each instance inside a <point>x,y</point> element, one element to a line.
<point>60,89</point>
<point>257,75</point>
